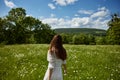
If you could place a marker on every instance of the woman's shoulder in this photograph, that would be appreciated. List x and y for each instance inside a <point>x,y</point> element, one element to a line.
<point>50,52</point>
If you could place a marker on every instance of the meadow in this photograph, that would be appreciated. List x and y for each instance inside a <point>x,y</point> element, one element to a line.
<point>84,62</point>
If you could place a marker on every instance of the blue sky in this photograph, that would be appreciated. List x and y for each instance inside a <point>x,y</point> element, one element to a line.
<point>66,13</point>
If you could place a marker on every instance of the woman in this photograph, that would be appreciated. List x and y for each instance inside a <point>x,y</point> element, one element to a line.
<point>56,57</point>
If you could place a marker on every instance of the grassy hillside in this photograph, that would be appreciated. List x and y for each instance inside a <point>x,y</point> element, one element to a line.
<point>81,30</point>
<point>28,62</point>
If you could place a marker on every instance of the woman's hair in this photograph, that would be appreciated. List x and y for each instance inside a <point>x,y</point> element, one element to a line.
<point>57,47</point>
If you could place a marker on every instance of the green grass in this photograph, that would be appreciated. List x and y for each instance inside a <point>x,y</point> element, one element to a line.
<point>92,62</point>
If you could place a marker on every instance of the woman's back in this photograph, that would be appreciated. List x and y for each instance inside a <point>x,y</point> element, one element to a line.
<point>53,58</point>
<point>56,58</point>
<point>56,64</point>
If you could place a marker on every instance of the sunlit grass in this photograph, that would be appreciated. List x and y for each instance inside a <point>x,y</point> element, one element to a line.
<point>92,62</point>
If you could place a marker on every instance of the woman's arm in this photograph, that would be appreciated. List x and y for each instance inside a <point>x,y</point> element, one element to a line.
<point>51,59</point>
<point>50,73</point>
<point>65,69</point>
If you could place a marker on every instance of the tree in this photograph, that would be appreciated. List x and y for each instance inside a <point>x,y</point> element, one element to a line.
<point>100,40</point>
<point>16,14</point>
<point>43,33</point>
<point>6,31</point>
<point>29,23</point>
<point>80,39</point>
<point>18,28</point>
<point>113,33</point>
<point>75,39</point>
<point>91,39</point>
<point>2,30</point>
<point>65,38</point>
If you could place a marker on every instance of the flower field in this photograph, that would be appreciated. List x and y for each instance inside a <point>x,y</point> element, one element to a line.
<point>84,62</point>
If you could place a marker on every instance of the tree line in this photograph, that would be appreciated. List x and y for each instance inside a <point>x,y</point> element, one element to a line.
<point>17,28</point>
<point>112,36</point>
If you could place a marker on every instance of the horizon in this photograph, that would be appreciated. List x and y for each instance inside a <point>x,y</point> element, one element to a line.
<point>79,28</point>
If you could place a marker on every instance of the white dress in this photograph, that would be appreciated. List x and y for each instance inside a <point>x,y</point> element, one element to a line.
<point>56,64</point>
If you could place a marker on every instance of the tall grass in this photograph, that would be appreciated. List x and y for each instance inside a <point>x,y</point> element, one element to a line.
<point>92,62</point>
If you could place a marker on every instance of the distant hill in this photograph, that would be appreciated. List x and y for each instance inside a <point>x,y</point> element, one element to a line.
<point>93,31</point>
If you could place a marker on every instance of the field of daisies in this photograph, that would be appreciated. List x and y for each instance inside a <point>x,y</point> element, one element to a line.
<point>84,62</point>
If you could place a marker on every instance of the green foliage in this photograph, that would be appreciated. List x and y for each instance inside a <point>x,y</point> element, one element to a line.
<point>16,14</point>
<point>17,28</point>
<point>66,38</point>
<point>2,29</point>
<point>29,62</point>
<point>100,40</point>
<point>31,39</point>
<point>76,39</point>
<point>44,34</point>
<point>80,39</point>
<point>92,31</point>
<point>91,39</point>
<point>113,33</point>
<point>81,35</point>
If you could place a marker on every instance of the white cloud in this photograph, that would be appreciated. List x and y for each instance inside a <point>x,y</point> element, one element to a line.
<point>64,2</point>
<point>51,21</point>
<point>28,15</point>
<point>99,14</point>
<point>66,17</point>
<point>76,15</point>
<point>85,11</point>
<point>56,22</point>
<point>85,22</point>
<point>9,4</point>
<point>77,22</point>
<point>60,2</point>
<point>102,12</point>
<point>70,1</point>
<point>51,6</point>
<point>52,15</point>
<point>99,23</point>
<point>102,8</point>
<point>97,19</point>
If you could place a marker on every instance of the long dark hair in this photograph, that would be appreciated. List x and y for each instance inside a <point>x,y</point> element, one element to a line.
<point>57,47</point>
